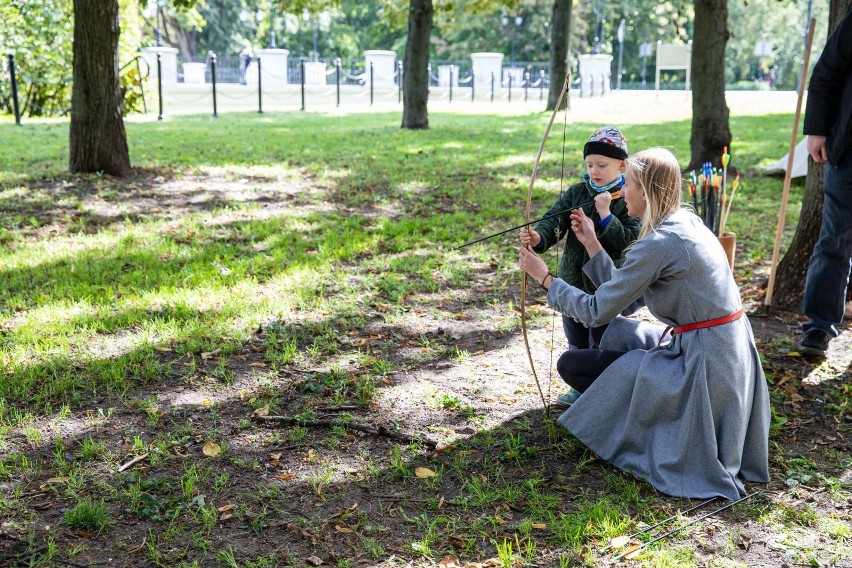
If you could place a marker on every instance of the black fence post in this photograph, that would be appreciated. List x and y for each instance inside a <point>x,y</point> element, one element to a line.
<point>213,81</point>
<point>337,78</point>
<point>302,80</point>
<point>451,82</point>
<point>472,85</point>
<point>492,86</point>
<point>259,88</point>
<point>15,106</point>
<point>526,85</point>
<point>371,83</point>
<point>160,85</point>
<point>510,86</point>
<point>399,81</point>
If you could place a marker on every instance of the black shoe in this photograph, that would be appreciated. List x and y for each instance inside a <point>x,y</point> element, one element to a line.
<point>815,343</point>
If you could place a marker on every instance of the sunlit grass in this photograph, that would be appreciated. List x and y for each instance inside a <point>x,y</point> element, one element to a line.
<point>95,287</point>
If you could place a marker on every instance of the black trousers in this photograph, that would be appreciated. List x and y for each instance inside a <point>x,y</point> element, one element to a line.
<point>580,367</point>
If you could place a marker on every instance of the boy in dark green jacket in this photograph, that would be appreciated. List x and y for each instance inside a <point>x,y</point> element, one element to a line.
<point>605,153</point>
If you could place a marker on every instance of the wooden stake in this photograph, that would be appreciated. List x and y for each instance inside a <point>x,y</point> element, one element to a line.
<point>770,288</point>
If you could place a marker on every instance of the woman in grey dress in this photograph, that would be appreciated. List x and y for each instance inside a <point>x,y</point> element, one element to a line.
<point>687,410</point>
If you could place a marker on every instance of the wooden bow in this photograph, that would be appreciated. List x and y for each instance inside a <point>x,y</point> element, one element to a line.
<point>527,220</point>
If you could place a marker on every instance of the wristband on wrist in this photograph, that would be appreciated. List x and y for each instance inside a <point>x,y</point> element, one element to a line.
<point>543,280</point>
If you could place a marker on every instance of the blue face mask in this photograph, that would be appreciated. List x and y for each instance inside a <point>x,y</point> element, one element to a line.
<point>600,189</point>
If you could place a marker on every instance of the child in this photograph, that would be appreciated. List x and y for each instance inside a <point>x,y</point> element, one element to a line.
<point>605,153</point>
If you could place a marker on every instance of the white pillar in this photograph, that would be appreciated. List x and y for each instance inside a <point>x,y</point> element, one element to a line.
<point>594,74</point>
<point>484,65</point>
<point>384,70</point>
<point>273,66</point>
<point>168,63</point>
<point>314,73</point>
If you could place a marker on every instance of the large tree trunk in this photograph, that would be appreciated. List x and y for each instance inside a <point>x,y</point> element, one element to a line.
<point>710,130</point>
<point>559,42</point>
<point>98,140</point>
<point>415,66</point>
<point>793,268</point>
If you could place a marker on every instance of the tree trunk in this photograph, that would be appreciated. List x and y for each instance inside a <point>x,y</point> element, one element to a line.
<point>793,267</point>
<point>710,129</point>
<point>97,138</point>
<point>559,42</point>
<point>415,66</point>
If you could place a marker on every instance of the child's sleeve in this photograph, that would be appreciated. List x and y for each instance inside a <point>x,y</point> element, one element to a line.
<point>620,232</point>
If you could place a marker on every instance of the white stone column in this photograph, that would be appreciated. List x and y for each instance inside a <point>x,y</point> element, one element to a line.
<point>383,67</point>
<point>594,74</point>
<point>314,73</point>
<point>168,63</point>
<point>273,66</point>
<point>484,65</point>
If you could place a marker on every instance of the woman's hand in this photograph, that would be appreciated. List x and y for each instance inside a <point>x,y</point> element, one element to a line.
<point>584,228</point>
<point>532,264</point>
<point>529,238</point>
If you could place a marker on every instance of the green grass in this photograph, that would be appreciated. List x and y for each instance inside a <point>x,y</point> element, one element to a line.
<point>116,291</point>
<point>389,206</point>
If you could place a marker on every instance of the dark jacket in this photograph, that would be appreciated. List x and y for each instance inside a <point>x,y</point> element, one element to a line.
<point>829,109</point>
<point>621,231</point>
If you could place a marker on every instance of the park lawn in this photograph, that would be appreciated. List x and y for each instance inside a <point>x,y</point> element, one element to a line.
<point>304,265</point>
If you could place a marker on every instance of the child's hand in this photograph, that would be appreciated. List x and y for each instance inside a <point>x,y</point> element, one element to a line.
<point>602,201</point>
<point>529,237</point>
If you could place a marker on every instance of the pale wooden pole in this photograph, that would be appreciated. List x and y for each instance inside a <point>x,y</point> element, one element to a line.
<point>770,288</point>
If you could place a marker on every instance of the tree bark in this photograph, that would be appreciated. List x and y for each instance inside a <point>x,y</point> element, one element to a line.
<point>793,267</point>
<point>97,138</point>
<point>415,66</point>
<point>710,127</point>
<point>559,43</point>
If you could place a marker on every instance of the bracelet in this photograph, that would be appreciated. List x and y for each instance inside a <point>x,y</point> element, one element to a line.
<point>543,280</point>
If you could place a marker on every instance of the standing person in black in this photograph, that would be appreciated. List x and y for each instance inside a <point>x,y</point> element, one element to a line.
<point>828,125</point>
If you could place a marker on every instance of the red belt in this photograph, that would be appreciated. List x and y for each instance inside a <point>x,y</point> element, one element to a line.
<point>701,324</point>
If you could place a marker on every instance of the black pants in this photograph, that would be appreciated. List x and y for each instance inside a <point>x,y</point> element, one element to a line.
<point>580,367</point>
<point>580,336</point>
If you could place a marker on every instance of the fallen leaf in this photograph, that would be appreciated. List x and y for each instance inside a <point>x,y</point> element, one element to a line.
<point>137,548</point>
<point>210,354</point>
<point>58,479</point>
<point>212,449</point>
<point>285,476</point>
<point>424,472</point>
<point>262,411</point>
<point>449,561</point>
<point>342,529</point>
<point>539,525</point>
<point>313,560</point>
<point>225,508</point>
<point>43,506</point>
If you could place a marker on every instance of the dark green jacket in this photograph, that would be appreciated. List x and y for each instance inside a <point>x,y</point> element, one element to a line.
<point>621,231</point>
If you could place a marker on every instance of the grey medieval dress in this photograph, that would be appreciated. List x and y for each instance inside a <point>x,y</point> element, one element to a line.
<point>691,415</point>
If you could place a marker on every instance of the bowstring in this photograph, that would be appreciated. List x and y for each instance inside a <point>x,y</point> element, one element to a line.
<point>561,191</point>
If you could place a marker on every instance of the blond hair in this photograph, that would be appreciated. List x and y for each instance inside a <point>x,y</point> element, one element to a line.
<point>657,173</point>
